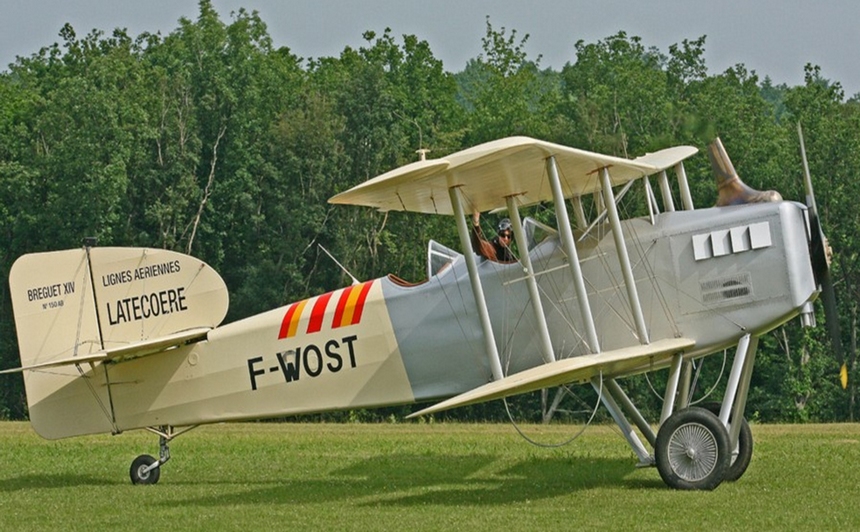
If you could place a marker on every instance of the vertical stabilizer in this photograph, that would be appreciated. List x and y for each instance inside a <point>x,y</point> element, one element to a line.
<point>74,303</point>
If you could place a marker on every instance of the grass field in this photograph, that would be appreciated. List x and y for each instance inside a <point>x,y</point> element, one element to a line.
<point>416,477</point>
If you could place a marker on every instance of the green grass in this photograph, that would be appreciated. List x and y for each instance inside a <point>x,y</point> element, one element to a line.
<point>416,477</point>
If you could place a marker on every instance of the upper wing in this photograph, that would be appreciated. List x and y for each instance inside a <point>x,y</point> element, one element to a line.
<point>581,368</point>
<point>663,159</point>
<point>488,173</point>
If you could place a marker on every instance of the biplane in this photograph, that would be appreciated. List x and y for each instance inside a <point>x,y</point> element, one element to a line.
<point>113,339</point>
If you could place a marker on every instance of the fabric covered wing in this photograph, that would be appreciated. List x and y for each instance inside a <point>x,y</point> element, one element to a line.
<point>582,368</point>
<point>488,173</point>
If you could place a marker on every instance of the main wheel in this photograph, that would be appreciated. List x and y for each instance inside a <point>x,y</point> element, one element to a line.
<point>138,472</point>
<point>692,450</point>
<point>740,459</point>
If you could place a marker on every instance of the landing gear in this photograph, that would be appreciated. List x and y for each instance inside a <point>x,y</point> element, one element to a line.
<point>142,470</point>
<point>741,455</point>
<point>698,448</point>
<point>692,450</point>
<point>147,470</point>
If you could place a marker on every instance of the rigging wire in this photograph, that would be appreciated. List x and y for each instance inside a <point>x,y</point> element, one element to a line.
<point>569,440</point>
<point>695,382</point>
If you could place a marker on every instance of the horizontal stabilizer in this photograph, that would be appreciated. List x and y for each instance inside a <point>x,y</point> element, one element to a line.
<point>83,359</point>
<point>125,352</point>
<point>156,345</point>
<point>576,369</point>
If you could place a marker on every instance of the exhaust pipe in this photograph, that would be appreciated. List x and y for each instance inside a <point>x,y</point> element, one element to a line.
<point>733,191</point>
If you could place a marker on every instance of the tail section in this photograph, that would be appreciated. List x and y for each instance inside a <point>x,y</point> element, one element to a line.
<point>76,310</point>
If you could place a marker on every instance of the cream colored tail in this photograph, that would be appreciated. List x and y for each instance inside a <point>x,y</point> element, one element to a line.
<point>77,311</point>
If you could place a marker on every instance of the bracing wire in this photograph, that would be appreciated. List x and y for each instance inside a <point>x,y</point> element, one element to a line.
<point>716,381</point>
<point>569,440</point>
<point>695,381</point>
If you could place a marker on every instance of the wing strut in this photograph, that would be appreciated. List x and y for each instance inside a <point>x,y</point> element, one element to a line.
<point>543,331</point>
<point>566,234</point>
<point>477,288</point>
<point>623,257</point>
<point>666,191</point>
<point>629,434</point>
<point>653,209</point>
<point>579,212</point>
<point>686,197</point>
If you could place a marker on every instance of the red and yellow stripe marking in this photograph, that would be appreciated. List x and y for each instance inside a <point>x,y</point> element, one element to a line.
<point>290,325</point>
<point>318,312</point>
<point>350,306</point>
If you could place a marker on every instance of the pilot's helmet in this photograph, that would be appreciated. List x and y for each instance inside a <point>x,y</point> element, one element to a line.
<point>504,225</point>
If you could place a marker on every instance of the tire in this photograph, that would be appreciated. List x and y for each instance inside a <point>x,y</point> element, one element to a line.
<point>138,473</point>
<point>741,460</point>
<point>692,450</point>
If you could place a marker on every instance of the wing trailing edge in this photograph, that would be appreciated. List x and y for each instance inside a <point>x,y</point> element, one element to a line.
<point>582,368</point>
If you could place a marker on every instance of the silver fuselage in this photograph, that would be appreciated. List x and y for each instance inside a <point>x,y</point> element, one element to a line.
<point>712,275</point>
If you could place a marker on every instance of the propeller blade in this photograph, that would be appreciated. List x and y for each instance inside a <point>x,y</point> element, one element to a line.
<point>807,177</point>
<point>831,315</point>
<point>821,267</point>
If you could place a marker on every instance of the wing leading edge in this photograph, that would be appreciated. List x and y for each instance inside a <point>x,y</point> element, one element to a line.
<point>582,368</point>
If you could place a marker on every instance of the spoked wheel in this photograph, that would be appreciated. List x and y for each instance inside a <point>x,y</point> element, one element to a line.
<point>741,459</point>
<point>139,473</point>
<point>692,450</point>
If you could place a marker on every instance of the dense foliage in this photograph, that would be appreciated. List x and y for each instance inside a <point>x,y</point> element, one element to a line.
<point>212,142</point>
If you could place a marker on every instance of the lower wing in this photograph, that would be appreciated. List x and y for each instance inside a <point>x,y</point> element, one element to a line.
<point>582,368</point>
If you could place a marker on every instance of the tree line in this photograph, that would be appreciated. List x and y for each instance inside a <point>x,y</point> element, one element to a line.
<point>211,141</point>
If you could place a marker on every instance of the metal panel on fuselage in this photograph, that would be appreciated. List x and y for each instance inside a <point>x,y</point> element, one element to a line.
<point>738,286</point>
<point>438,329</point>
<point>440,337</point>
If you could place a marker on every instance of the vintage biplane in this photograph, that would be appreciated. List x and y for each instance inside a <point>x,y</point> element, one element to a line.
<point>115,339</point>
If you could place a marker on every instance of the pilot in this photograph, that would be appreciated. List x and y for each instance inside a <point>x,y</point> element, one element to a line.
<point>498,249</point>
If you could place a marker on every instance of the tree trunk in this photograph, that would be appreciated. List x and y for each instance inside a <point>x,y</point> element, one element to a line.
<point>547,413</point>
<point>207,191</point>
